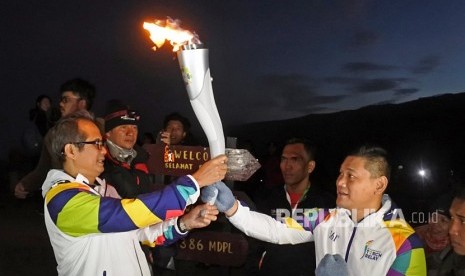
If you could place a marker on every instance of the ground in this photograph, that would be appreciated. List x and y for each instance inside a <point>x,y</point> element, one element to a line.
<point>25,248</point>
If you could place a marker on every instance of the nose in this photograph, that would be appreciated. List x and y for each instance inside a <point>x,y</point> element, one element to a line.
<point>340,181</point>
<point>454,227</point>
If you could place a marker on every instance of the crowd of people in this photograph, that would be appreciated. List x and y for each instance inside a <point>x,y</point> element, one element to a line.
<point>105,214</point>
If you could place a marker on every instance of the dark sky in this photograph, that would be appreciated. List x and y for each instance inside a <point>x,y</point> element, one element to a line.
<point>270,60</point>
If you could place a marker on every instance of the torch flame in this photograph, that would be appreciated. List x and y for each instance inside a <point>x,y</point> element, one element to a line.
<point>169,29</point>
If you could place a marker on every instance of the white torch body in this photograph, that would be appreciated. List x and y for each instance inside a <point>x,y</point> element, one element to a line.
<point>195,70</point>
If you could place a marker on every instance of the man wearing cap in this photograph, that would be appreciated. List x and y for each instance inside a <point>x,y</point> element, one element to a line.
<point>125,161</point>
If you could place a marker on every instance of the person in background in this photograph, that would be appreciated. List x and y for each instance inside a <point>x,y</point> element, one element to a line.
<point>76,94</point>
<point>453,257</point>
<point>435,234</point>
<point>126,161</point>
<point>179,128</point>
<point>39,123</point>
<point>41,114</point>
<point>297,162</point>
<point>95,234</point>
<point>366,229</point>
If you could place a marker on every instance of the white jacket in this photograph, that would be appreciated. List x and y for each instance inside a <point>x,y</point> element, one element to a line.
<point>381,244</point>
<point>95,235</point>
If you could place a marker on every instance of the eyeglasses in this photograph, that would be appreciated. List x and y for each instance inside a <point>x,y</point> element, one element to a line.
<point>65,99</point>
<point>98,143</point>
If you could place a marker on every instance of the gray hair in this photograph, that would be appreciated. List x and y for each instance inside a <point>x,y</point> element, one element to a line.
<point>66,131</point>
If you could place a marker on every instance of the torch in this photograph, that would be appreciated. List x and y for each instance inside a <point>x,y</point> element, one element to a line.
<point>193,60</point>
<point>195,69</point>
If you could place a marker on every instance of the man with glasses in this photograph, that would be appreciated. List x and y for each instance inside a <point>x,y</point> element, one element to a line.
<point>76,94</point>
<point>93,234</point>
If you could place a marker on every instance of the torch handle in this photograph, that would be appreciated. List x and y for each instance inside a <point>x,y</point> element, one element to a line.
<point>205,109</point>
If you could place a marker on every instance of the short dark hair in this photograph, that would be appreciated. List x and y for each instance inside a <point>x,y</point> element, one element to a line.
<point>66,131</point>
<point>376,160</point>
<point>82,88</point>
<point>308,146</point>
<point>175,116</point>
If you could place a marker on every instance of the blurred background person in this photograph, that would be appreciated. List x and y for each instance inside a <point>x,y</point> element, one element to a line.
<point>40,120</point>
<point>453,257</point>
<point>435,234</point>
<point>76,94</point>
<point>179,128</point>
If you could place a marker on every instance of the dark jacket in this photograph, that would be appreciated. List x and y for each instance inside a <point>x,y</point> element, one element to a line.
<point>451,264</point>
<point>289,259</point>
<point>128,180</point>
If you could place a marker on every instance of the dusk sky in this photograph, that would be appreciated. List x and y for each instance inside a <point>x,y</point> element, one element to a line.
<point>270,60</point>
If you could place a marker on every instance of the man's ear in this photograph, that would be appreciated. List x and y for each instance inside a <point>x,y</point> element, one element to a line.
<point>381,184</point>
<point>70,151</point>
<point>311,166</point>
<point>82,104</point>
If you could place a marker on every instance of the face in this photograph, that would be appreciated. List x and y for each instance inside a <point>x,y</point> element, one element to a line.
<point>45,104</point>
<point>457,226</point>
<point>89,161</point>
<point>70,103</point>
<point>295,164</point>
<point>439,225</point>
<point>356,189</point>
<point>176,130</point>
<point>124,136</point>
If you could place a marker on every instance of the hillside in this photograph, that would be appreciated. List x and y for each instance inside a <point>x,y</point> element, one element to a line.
<point>426,133</point>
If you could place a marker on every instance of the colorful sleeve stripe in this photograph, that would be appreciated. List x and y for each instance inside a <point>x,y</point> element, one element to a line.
<point>140,214</point>
<point>77,211</point>
<point>315,216</point>
<point>410,258</point>
<point>309,220</point>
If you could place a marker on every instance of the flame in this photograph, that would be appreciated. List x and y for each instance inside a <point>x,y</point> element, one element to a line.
<point>169,29</point>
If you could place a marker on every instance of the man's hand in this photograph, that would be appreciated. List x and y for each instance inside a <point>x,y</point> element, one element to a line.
<point>200,216</point>
<point>211,171</point>
<point>165,137</point>
<point>20,191</point>
<point>224,197</point>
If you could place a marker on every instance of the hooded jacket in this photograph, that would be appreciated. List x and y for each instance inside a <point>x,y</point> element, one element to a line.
<point>93,234</point>
<point>381,244</point>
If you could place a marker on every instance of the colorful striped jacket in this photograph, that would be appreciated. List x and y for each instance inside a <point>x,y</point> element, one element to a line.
<point>93,234</point>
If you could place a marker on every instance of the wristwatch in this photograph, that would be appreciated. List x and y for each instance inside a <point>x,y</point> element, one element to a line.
<point>182,226</point>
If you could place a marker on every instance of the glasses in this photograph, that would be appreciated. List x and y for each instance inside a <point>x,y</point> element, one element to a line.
<point>98,143</point>
<point>65,99</point>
